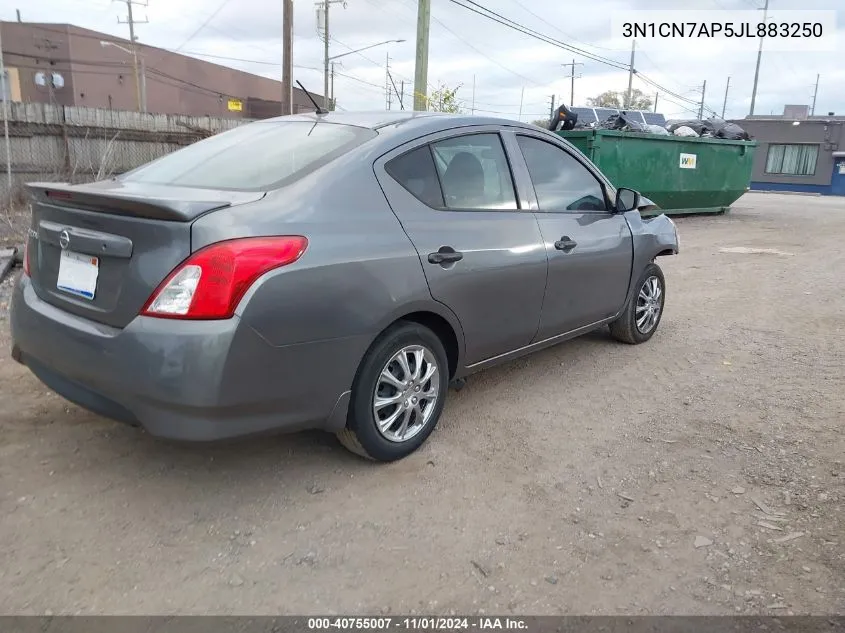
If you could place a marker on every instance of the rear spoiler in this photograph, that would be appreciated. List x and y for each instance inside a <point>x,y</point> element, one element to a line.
<point>110,201</point>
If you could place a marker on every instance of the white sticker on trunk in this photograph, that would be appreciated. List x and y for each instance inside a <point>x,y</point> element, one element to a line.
<point>688,161</point>
<point>78,274</point>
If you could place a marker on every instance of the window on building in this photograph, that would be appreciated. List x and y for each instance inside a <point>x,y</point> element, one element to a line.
<point>795,160</point>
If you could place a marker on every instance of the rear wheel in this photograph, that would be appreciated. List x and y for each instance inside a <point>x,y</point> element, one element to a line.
<point>639,321</point>
<point>398,394</point>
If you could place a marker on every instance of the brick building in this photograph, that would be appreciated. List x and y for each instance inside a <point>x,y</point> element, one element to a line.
<point>69,65</point>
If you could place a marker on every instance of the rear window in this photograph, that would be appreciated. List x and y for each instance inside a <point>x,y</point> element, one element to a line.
<point>254,157</point>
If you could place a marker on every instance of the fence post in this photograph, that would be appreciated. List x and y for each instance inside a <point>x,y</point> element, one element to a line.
<point>66,140</point>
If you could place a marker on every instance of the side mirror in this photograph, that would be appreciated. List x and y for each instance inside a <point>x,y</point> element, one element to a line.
<point>626,200</point>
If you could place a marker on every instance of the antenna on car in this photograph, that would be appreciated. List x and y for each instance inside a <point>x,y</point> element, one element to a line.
<point>308,94</point>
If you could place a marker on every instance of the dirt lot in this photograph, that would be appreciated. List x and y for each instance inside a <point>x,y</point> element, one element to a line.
<point>701,473</point>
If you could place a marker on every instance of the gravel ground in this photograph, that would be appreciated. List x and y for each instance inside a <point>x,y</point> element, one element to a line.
<point>700,473</point>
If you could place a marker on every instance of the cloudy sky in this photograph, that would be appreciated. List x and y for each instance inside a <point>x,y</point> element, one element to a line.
<point>506,66</point>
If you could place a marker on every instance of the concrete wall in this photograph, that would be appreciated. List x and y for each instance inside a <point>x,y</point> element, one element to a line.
<point>57,143</point>
<point>829,135</point>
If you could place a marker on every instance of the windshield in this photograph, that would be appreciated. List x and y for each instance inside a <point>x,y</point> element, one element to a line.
<point>254,157</point>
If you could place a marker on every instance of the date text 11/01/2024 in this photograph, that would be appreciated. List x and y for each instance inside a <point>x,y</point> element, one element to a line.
<point>417,623</point>
<point>722,29</point>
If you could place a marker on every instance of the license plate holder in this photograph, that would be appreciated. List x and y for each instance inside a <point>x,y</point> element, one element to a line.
<point>78,274</point>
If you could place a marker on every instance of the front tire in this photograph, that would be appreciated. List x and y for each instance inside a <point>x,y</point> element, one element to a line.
<point>398,394</point>
<point>639,321</point>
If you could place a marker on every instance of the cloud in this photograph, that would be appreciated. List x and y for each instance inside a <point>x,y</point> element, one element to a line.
<point>507,67</point>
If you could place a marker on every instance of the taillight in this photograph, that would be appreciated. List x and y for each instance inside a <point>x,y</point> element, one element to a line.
<point>211,282</point>
<point>26,257</point>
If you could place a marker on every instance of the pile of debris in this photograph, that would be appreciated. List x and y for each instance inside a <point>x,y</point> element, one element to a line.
<point>709,128</point>
<point>713,127</point>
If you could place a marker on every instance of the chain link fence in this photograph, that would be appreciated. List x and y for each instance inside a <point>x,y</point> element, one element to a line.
<point>48,143</point>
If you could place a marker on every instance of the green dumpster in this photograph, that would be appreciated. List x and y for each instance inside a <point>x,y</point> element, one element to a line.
<point>683,175</point>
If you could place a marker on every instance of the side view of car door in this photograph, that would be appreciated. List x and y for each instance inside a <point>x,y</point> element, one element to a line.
<point>589,246</point>
<point>480,247</point>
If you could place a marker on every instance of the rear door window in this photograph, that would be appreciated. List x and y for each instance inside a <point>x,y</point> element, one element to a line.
<point>254,157</point>
<point>416,172</point>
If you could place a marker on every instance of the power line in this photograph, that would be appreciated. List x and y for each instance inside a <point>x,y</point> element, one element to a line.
<point>665,90</point>
<point>479,51</point>
<point>566,35</point>
<point>201,26</point>
<point>114,66</point>
<point>497,17</point>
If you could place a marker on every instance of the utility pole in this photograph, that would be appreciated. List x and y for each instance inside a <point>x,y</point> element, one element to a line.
<point>402,96</point>
<point>421,65</point>
<point>324,7</point>
<point>6,123</point>
<point>388,93</point>
<point>725,102</point>
<point>396,90</point>
<point>331,88</point>
<point>759,56</point>
<point>131,21</point>
<point>701,105</point>
<point>815,94</point>
<point>631,75</point>
<point>143,85</point>
<point>287,57</point>
<point>573,78</point>
<point>656,97</point>
<point>473,95</point>
<point>552,108</point>
<point>521,99</point>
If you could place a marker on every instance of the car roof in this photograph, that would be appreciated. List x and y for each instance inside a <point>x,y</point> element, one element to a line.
<point>405,118</point>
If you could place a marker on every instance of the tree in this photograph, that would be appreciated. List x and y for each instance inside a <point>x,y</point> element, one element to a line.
<point>617,99</point>
<point>445,100</point>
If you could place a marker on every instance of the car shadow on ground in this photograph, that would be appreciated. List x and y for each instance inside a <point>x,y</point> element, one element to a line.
<point>105,451</point>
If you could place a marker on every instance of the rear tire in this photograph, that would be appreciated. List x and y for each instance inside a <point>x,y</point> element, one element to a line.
<point>639,321</point>
<point>398,394</point>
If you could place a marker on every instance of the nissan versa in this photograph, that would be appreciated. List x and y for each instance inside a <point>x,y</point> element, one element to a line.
<point>334,271</point>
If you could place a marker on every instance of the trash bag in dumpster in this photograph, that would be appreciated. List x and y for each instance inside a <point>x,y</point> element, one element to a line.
<point>565,118</point>
<point>696,125</point>
<point>726,130</point>
<point>685,130</point>
<point>658,129</point>
<point>622,122</point>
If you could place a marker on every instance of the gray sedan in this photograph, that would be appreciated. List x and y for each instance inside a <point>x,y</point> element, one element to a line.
<point>334,271</point>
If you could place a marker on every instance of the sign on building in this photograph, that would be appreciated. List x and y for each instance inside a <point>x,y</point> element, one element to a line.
<point>236,105</point>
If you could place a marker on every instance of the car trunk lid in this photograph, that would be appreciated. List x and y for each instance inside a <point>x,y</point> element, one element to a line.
<point>100,250</point>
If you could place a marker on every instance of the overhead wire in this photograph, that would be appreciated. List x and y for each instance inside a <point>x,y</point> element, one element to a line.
<point>202,25</point>
<point>501,19</point>
<point>477,50</point>
<point>566,35</point>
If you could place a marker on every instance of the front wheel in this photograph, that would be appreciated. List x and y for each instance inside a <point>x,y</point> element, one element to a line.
<point>398,394</point>
<point>639,321</point>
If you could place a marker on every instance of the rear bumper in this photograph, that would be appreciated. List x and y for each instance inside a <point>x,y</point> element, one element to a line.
<point>195,381</point>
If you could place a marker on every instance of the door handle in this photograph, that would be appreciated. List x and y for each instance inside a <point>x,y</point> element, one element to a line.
<point>565,244</point>
<point>446,255</point>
